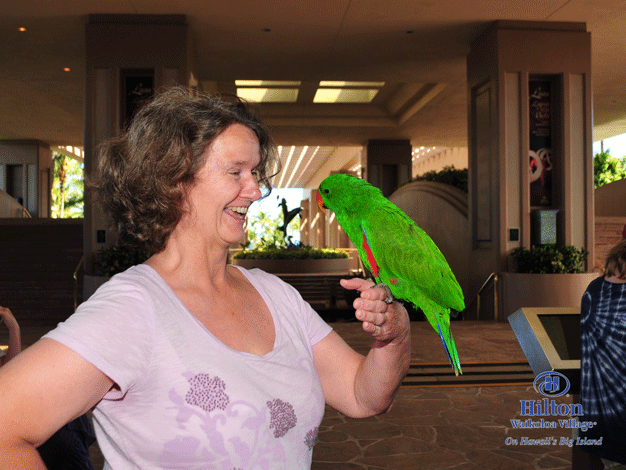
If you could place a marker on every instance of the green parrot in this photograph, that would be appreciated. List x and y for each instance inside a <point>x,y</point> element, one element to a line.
<point>399,254</point>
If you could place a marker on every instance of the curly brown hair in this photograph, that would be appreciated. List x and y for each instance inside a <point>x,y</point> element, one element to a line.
<point>144,174</point>
<point>616,261</point>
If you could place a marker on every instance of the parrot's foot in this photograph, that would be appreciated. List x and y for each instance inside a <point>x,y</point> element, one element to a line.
<point>390,299</point>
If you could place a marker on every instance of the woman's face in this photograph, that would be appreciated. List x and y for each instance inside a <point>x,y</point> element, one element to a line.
<point>225,187</point>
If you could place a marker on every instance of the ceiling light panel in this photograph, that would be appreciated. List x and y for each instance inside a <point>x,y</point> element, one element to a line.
<point>334,84</point>
<point>266,83</point>
<point>345,95</point>
<point>269,95</point>
<point>268,91</point>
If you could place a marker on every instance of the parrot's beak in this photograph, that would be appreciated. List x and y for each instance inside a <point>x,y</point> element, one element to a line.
<point>320,202</point>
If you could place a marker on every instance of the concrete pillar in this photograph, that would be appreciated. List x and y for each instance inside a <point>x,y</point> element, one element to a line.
<point>128,58</point>
<point>305,223</point>
<point>26,174</point>
<point>316,223</point>
<point>388,164</point>
<point>335,236</point>
<point>529,103</point>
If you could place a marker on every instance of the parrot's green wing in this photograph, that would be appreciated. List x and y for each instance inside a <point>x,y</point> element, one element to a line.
<point>409,261</point>
<point>402,256</point>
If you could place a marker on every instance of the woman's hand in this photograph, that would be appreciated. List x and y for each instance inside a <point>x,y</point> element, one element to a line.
<point>361,386</point>
<point>385,322</point>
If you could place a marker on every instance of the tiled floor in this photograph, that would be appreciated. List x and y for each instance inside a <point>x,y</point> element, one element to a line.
<point>459,428</point>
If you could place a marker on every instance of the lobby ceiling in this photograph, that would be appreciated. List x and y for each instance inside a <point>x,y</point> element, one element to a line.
<point>416,48</point>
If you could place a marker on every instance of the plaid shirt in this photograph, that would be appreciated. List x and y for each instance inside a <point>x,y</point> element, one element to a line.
<point>603,366</point>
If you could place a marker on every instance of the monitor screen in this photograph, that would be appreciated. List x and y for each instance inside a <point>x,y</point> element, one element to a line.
<point>564,333</point>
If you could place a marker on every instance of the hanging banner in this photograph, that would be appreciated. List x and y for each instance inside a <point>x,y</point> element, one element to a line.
<point>137,88</point>
<point>540,108</point>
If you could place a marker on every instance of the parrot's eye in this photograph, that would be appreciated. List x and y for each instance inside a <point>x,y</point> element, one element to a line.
<point>326,191</point>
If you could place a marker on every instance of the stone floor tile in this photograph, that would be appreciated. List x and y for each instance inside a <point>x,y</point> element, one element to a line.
<point>489,461</point>
<point>360,430</point>
<point>509,453</point>
<point>464,437</point>
<point>423,461</point>
<point>396,446</point>
<point>336,451</point>
<point>337,466</point>
<point>552,461</point>
<point>332,436</point>
<point>423,433</point>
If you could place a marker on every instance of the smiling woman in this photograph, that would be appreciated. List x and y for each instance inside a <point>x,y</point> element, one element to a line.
<point>144,174</point>
<point>188,361</point>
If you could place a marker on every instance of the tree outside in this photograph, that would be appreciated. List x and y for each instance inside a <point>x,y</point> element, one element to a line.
<point>68,187</point>
<point>607,168</point>
<point>266,217</point>
<point>264,231</point>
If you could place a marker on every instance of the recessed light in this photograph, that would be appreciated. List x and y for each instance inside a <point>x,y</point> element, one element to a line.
<point>22,29</point>
<point>66,69</point>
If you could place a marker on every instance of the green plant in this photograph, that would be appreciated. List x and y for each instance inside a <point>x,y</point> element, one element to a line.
<point>546,259</point>
<point>68,187</point>
<point>607,168</point>
<point>264,231</point>
<point>115,259</point>
<point>298,252</point>
<point>448,175</point>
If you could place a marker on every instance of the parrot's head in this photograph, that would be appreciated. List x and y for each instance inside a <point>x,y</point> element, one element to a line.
<point>343,193</point>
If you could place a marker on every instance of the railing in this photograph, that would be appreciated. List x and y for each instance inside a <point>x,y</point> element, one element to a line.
<point>78,266</point>
<point>492,279</point>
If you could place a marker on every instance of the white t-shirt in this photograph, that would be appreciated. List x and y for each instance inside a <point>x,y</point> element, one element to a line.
<point>188,401</point>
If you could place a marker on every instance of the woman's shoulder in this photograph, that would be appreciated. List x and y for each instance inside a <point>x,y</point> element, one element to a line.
<point>135,280</point>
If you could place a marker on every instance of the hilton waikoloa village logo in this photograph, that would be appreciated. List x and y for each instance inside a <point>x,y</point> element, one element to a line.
<point>547,413</point>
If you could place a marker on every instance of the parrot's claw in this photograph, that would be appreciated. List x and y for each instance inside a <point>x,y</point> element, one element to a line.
<point>390,299</point>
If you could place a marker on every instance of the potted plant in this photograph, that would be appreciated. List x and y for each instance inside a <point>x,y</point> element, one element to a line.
<point>546,276</point>
<point>289,258</point>
<point>111,260</point>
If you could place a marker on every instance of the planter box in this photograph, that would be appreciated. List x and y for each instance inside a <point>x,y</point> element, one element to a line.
<point>519,290</point>
<point>294,266</point>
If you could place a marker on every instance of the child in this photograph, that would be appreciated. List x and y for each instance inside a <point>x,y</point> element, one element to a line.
<point>15,340</point>
<point>603,360</point>
<point>68,448</point>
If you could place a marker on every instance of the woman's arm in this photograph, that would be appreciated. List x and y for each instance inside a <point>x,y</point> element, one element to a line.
<point>361,386</point>
<point>15,338</point>
<point>43,388</point>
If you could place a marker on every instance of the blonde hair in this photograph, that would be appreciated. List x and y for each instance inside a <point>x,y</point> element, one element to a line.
<point>616,261</point>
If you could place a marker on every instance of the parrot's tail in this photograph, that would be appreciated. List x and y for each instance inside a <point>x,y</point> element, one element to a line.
<point>449,347</point>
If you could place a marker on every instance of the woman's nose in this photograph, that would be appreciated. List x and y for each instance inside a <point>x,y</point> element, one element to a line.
<point>251,189</point>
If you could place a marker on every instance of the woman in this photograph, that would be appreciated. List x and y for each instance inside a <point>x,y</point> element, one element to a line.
<point>188,361</point>
<point>603,360</point>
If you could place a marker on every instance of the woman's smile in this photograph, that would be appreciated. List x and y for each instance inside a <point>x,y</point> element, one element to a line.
<point>238,212</point>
